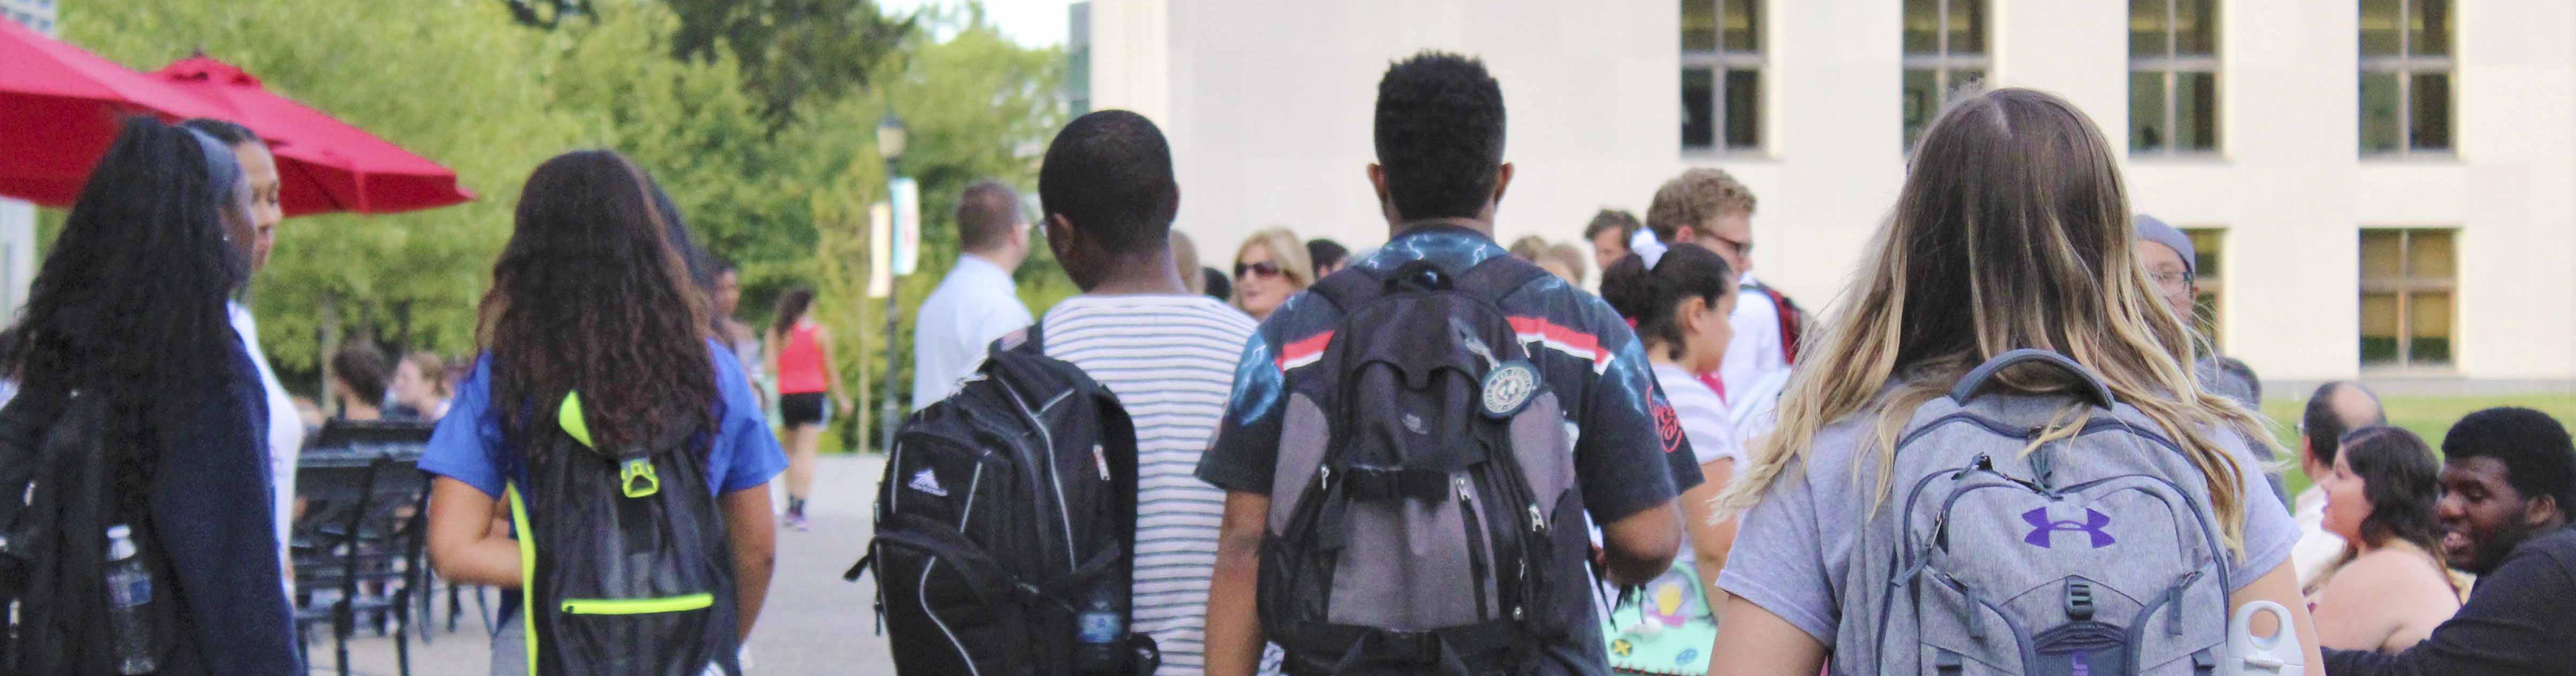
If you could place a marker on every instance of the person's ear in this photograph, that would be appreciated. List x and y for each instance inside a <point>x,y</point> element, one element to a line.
<point>1059,236</point>
<point>1502,181</point>
<point>1377,182</point>
<point>2539,511</point>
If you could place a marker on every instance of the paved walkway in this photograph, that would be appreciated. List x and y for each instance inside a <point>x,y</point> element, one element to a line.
<point>814,623</point>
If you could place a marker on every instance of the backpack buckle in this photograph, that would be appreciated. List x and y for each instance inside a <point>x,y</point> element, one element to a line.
<point>637,479</point>
<point>2079,600</point>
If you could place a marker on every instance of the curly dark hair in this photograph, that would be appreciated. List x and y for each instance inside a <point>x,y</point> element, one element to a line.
<point>2401,480</point>
<point>1439,135</point>
<point>1647,296</point>
<point>590,295</point>
<point>1110,173</point>
<point>130,303</point>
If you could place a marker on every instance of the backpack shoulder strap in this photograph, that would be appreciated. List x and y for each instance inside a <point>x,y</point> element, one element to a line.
<point>1793,322</point>
<point>1499,276</point>
<point>1029,339</point>
<point>1350,288</point>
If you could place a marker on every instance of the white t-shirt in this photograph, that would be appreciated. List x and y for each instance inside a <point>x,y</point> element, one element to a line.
<point>1757,365</point>
<point>1171,361</point>
<point>285,430</point>
<point>1704,416</point>
<point>974,305</point>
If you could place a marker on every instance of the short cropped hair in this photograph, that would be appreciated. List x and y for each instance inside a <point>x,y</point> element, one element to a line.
<point>1612,219</point>
<point>986,214</point>
<point>1110,173</point>
<point>2532,446</point>
<point>1439,135</point>
<point>1528,247</point>
<point>1691,199</point>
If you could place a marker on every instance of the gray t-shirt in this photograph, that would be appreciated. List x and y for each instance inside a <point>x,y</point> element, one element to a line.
<point>1793,550</point>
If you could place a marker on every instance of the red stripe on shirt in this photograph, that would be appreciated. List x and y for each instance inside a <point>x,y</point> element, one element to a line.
<point>1572,339</point>
<point>1304,350</point>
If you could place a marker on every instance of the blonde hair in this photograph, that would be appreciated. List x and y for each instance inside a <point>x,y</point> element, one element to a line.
<point>2012,231</point>
<point>1529,248</point>
<point>1286,251</point>
<point>1185,258</point>
<point>1568,255</point>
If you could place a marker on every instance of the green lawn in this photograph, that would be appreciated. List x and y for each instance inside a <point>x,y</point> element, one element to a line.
<point>2428,417</point>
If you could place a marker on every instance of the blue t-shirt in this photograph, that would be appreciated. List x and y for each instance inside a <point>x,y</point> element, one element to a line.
<point>470,445</point>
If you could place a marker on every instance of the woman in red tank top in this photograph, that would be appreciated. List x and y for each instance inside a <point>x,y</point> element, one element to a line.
<point>800,358</point>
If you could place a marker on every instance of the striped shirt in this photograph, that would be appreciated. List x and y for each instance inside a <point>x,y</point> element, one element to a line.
<point>1171,361</point>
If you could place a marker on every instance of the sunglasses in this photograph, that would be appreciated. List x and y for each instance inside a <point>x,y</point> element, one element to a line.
<point>1265,269</point>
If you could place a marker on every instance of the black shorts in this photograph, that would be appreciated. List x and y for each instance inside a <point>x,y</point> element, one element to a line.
<point>804,408</point>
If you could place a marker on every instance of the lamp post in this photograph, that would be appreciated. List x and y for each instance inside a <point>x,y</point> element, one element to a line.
<point>890,140</point>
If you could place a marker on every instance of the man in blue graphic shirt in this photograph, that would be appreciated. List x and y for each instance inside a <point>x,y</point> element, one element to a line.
<point>1439,174</point>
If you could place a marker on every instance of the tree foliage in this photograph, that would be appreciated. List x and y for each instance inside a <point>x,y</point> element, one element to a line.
<point>463,83</point>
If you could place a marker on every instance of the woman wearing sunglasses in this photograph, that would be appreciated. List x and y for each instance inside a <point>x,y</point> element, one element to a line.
<point>1269,268</point>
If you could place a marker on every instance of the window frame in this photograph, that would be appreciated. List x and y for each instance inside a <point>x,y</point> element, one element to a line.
<point>2404,287</point>
<point>2406,64</point>
<point>2170,67</point>
<point>1941,62</point>
<point>2210,282</point>
<point>1718,62</point>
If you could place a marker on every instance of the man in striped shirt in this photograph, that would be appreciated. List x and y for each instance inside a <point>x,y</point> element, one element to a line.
<point>1168,354</point>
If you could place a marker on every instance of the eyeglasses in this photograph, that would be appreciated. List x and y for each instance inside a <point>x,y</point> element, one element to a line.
<point>1264,268</point>
<point>2172,282</point>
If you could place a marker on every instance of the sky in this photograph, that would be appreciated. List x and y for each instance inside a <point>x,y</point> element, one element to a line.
<point>1033,23</point>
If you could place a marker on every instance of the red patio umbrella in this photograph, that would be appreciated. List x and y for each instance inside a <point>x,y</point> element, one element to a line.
<point>59,108</point>
<point>326,165</point>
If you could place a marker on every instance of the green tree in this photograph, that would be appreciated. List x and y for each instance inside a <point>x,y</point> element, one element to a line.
<point>446,79</point>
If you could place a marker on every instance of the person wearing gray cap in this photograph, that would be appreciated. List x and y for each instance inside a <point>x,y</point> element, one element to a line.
<point>2172,262</point>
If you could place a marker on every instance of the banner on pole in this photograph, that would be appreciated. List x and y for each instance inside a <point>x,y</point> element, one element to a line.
<point>880,250</point>
<point>907,225</point>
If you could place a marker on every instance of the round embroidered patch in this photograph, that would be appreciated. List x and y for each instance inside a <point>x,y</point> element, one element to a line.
<point>1510,386</point>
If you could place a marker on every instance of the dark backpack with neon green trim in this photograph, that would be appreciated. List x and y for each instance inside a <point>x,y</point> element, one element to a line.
<point>627,566</point>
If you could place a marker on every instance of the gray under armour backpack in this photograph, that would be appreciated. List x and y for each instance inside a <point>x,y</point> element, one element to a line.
<point>2091,555</point>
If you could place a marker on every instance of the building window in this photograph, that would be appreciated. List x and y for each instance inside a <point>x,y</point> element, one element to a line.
<point>2409,280</point>
<point>2406,75</point>
<point>1721,75</point>
<point>2173,76</point>
<point>2209,283</point>
<point>1945,52</point>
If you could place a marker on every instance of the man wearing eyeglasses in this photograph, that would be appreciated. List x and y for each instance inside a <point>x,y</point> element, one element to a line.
<point>1709,207</point>
<point>2173,264</point>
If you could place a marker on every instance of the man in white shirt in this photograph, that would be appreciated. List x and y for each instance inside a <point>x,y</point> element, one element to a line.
<point>977,302</point>
<point>2337,408</point>
<point>1710,208</point>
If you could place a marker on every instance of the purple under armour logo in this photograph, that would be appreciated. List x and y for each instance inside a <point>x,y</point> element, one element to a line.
<point>2042,527</point>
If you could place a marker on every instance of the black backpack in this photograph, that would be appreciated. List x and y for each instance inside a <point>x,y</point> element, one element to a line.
<point>1006,526</point>
<point>53,542</point>
<point>1424,518</point>
<point>627,568</point>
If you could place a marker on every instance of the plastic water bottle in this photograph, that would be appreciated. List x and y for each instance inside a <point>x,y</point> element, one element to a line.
<point>2277,655</point>
<point>129,589</point>
<point>1098,628</point>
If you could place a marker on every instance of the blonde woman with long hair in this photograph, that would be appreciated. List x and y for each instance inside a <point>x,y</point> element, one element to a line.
<point>1270,268</point>
<point>2012,231</point>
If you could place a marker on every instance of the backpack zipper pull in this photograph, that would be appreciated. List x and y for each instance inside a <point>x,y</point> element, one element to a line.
<point>1464,496</point>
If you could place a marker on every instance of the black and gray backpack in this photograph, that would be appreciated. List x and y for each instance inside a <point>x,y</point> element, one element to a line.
<point>624,553</point>
<point>2003,550</point>
<point>1424,516</point>
<point>1006,527</point>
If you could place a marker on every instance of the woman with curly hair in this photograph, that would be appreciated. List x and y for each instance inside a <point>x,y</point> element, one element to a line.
<point>590,295</point>
<point>2391,587</point>
<point>128,313</point>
